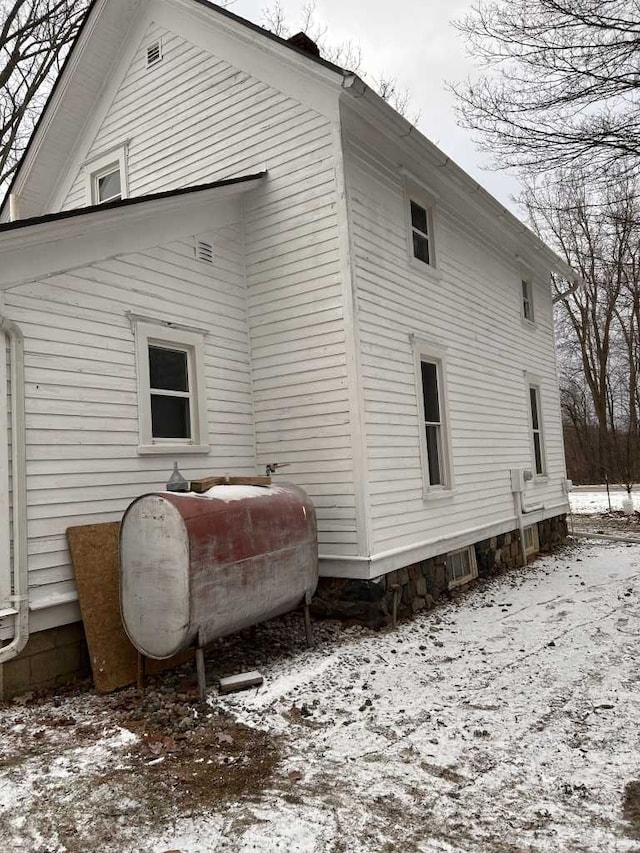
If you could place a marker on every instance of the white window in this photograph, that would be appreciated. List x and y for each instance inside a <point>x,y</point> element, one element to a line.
<point>107,177</point>
<point>527,300</point>
<point>531,542</point>
<point>434,439</point>
<point>461,567</point>
<point>421,232</point>
<point>537,438</point>
<point>420,203</point>
<point>171,392</point>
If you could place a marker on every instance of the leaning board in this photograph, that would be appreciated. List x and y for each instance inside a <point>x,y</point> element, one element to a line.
<point>114,661</point>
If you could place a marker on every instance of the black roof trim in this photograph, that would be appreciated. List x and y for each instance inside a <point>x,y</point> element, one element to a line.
<point>125,202</point>
<point>224,12</point>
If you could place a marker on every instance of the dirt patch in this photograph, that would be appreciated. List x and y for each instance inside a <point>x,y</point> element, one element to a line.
<point>631,807</point>
<point>612,523</point>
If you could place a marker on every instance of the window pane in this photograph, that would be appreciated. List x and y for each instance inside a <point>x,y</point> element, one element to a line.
<point>420,247</point>
<point>534,407</point>
<point>537,449</point>
<point>419,217</point>
<point>168,369</point>
<point>430,392</point>
<point>170,417</point>
<point>109,186</point>
<point>433,455</point>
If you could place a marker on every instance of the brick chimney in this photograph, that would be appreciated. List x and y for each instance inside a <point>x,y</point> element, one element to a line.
<point>305,44</point>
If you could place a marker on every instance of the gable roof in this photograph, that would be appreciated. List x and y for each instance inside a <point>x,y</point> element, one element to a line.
<point>124,17</point>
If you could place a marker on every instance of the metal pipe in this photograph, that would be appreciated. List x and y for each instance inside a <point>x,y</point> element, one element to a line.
<point>19,599</point>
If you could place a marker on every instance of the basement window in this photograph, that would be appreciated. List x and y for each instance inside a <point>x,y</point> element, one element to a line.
<point>531,541</point>
<point>171,394</point>
<point>461,567</point>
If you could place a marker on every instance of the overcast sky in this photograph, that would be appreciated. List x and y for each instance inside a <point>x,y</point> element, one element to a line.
<point>415,43</point>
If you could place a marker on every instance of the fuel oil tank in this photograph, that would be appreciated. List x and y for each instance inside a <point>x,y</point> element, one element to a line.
<point>194,567</point>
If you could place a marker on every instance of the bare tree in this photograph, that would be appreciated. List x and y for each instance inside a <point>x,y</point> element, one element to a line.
<point>598,234</point>
<point>560,85</point>
<point>34,38</point>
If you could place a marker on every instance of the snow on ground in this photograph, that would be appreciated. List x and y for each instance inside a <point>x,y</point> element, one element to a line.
<point>505,720</point>
<point>588,502</point>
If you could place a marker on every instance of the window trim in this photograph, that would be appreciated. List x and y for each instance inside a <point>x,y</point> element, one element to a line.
<point>424,351</point>
<point>152,334</point>
<point>98,167</point>
<point>473,567</point>
<point>417,192</point>
<point>534,385</point>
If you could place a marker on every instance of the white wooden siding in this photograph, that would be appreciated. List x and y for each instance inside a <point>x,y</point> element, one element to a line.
<point>472,308</point>
<point>81,395</point>
<point>223,122</point>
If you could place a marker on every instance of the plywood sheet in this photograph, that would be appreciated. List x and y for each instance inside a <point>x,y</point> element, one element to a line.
<point>114,661</point>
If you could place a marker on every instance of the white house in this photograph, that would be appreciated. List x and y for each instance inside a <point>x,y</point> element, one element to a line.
<point>222,249</point>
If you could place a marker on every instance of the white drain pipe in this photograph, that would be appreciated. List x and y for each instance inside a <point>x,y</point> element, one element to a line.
<point>17,582</point>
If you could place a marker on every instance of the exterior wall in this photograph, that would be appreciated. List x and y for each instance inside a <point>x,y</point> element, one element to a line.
<point>420,586</point>
<point>225,122</point>
<point>81,393</point>
<point>470,312</point>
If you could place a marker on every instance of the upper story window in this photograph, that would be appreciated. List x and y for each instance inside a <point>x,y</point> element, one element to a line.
<point>527,300</point>
<point>420,203</point>
<point>107,177</point>
<point>107,185</point>
<point>420,232</point>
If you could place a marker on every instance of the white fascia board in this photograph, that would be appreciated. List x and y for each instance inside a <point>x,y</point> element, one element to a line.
<point>374,109</point>
<point>306,81</point>
<point>45,249</point>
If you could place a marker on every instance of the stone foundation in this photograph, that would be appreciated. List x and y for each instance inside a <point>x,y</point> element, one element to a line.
<point>419,586</point>
<point>49,659</point>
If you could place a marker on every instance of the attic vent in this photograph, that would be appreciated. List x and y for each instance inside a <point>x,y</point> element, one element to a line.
<point>154,53</point>
<point>204,251</point>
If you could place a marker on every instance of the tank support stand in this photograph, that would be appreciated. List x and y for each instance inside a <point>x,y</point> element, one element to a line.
<point>202,679</point>
<point>307,619</point>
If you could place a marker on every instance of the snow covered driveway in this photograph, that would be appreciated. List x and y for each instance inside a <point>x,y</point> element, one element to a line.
<point>506,720</point>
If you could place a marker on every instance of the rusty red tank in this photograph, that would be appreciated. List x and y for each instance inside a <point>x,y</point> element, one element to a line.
<point>196,567</point>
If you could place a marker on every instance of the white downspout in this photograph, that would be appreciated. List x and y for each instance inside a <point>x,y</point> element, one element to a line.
<point>17,581</point>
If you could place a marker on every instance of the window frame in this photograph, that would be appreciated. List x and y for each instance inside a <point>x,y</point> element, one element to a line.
<point>111,161</point>
<point>471,575</point>
<point>534,548</point>
<point>181,340</point>
<point>534,386</point>
<point>436,355</point>
<point>418,193</point>
<point>526,299</point>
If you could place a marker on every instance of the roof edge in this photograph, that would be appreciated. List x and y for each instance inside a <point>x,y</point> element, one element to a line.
<point>127,202</point>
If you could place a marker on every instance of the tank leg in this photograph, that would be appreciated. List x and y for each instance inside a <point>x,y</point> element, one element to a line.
<point>202,681</point>
<point>141,672</point>
<point>307,619</point>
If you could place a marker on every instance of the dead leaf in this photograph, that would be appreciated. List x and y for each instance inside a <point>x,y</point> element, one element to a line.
<point>295,775</point>
<point>223,737</point>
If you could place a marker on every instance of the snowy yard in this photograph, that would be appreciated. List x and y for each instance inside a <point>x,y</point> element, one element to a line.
<point>505,720</point>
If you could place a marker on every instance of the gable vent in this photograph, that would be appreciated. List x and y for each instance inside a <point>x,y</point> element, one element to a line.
<point>154,53</point>
<point>204,251</point>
